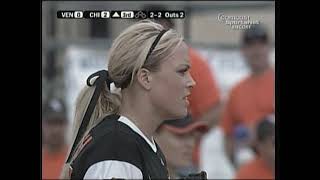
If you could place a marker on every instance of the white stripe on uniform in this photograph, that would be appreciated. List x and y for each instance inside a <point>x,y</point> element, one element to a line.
<point>113,169</point>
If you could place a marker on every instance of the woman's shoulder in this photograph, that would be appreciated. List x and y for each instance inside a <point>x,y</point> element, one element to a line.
<point>110,138</point>
<point>109,142</point>
<point>114,144</point>
<point>111,130</point>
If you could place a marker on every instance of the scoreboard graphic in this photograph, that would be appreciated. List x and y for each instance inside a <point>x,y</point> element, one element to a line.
<point>125,14</point>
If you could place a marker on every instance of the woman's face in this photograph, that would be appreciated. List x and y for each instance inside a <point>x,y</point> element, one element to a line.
<point>172,84</point>
<point>176,148</point>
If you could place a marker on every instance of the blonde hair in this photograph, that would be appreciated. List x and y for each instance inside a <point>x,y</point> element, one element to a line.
<point>127,55</point>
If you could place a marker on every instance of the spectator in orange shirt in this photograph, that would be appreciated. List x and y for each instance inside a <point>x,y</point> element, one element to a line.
<point>205,96</point>
<point>54,150</point>
<point>253,98</point>
<point>263,166</point>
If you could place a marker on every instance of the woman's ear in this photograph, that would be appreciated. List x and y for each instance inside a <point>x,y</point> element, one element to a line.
<point>144,78</point>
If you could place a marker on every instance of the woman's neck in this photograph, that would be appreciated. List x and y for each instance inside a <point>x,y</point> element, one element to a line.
<point>141,115</point>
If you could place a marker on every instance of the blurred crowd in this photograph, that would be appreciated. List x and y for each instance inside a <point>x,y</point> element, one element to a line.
<point>229,139</point>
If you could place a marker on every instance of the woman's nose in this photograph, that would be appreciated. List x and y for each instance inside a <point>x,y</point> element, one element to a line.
<point>191,82</point>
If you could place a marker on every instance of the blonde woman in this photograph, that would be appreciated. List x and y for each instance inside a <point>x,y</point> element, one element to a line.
<point>114,134</point>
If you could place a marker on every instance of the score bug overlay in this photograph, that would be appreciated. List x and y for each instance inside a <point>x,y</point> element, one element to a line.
<point>125,14</point>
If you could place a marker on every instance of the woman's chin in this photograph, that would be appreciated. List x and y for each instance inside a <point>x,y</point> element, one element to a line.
<point>182,113</point>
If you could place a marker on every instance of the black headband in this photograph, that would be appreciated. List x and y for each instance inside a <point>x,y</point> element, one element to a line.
<point>103,77</point>
<point>154,44</point>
